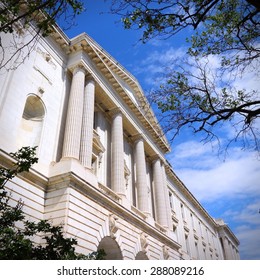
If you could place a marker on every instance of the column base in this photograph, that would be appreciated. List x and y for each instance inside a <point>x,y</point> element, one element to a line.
<point>150,219</point>
<point>124,201</point>
<point>67,165</point>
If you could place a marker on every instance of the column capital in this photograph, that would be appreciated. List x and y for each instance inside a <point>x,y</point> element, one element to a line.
<point>137,137</point>
<point>89,78</point>
<point>155,157</point>
<point>78,67</point>
<point>115,112</point>
<point>164,163</point>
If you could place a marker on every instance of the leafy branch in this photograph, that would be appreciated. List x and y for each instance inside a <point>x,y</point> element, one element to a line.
<point>17,240</point>
<point>191,97</point>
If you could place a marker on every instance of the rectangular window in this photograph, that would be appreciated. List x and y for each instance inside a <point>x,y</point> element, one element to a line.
<point>192,220</point>
<point>207,236</point>
<point>94,164</point>
<point>95,121</point>
<point>204,253</point>
<point>171,200</point>
<point>200,227</point>
<point>187,243</point>
<point>182,212</point>
<point>175,232</point>
<point>197,250</point>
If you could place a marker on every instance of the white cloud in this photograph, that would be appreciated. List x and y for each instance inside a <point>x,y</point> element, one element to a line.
<point>230,185</point>
<point>190,149</point>
<point>156,63</point>
<point>249,242</point>
<point>164,56</point>
<point>235,183</point>
<point>249,215</point>
<point>248,231</point>
<point>209,178</point>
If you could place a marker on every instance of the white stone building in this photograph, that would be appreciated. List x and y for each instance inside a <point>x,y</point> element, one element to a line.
<point>101,170</point>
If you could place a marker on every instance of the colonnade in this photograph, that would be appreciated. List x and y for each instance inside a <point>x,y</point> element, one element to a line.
<point>230,252</point>
<point>78,145</point>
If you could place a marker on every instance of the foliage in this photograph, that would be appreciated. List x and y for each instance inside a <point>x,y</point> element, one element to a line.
<point>192,97</point>
<point>40,15</point>
<point>43,12</point>
<point>17,234</point>
<point>194,92</point>
<point>235,21</point>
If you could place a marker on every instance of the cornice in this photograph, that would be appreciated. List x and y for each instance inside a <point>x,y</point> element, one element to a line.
<point>109,67</point>
<point>137,137</point>
<point>227,231</point>
<point>85,43</point>
<point>115,112</point>
<point>78,67</point>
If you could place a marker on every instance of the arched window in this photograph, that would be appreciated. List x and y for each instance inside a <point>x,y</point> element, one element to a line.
<point>32,122</point>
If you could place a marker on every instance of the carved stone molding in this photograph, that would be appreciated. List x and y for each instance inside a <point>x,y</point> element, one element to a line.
<point>47,57</point>
<point>78,67</point>
<point>144,242</point>
<point>127,174</point>
<point>40,91</point>
<point>114,112</point>
<point>165,252</point>
<point>113,225</point>
<point>137,137</point>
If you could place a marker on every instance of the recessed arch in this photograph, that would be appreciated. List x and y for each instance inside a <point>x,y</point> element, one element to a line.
<point>111,248</point>
<point>34,108</point>
<point>32,122</point>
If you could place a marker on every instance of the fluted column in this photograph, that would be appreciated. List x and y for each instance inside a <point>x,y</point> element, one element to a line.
<point>87,124</point>
<point>71,144</point>
<point>159,194</point>
<point>227,248</point>
<point>167,200</point>
<point>141,182</point>
<point>117,160</point>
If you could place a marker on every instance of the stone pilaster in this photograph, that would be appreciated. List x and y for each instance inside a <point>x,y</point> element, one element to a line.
<point>159,194</point>
<point>117,160</point>
<point>87,125</point>
<point>71,144</point>
<point>141,181</point>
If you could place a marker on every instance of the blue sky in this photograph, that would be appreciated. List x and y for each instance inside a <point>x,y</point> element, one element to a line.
<point>227,186</point>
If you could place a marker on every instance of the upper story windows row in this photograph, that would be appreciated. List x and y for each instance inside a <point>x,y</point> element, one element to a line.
<point>190,220</point>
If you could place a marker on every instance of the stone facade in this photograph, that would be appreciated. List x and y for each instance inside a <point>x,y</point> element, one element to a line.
<point>101,171</point>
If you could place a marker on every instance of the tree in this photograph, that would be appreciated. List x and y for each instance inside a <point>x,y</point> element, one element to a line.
<point>17,241</point>
<point>193,92</point>
<point>39,16</point>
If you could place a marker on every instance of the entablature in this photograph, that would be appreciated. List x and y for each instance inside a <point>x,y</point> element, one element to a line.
<point>83,50</point>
